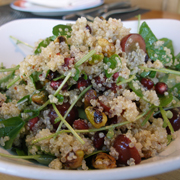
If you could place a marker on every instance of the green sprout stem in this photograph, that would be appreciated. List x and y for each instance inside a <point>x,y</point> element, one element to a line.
<point>81,131</point>
<point>13,82</point>
<point>68,125</point>
<point>10,69</point>
<point>163,70</point>
<point>166,120</point>
<point>72,105</point>
<point>85,58</point>
<point>147,117</point>
<point>127,80</point>
<point>19,41</point>
<point>57,91</point>
<point>20,157</point>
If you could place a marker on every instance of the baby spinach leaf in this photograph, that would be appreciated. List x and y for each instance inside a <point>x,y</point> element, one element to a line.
<point>169,44</point>
<point>43,43</point>
<point>147,34</point>
<point>165,100</point>
<point>62,30</point>
<point>152,74</point>
<point>158,53</point>
<point>12,128</point>
<point>178,59</point>
<point>145,74</point>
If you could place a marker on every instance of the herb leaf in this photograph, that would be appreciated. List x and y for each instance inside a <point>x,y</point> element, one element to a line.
<point>62,30</point>
<point>147,34</point>
<point>35,78</point>
<point>43,43</point>
<point>12,128</point>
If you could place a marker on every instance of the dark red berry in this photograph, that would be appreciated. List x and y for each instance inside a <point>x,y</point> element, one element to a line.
<point>80,124</point>
<point>161,88</point>
<point>148,83</point>
<point>82,82</point>
<point>68,61</point>
<point>32,122</point>
<point>56,84</point>
<point>105,107</point>
<point>114,87</point>
<point>175,120</point>
<point>98,140</point>
<point>71,117</point>
<point>115,76</point>
<point>122,146</point>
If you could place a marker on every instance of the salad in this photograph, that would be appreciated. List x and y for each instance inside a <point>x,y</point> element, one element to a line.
<point>91,96</point>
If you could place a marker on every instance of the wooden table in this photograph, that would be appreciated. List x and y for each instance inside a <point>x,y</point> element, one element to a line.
<point>174,175</point>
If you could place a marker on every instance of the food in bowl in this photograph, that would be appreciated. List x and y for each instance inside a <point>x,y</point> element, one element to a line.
<point>93,95</point>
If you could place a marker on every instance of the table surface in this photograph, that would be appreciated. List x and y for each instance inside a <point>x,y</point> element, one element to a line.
<point>145,14</point>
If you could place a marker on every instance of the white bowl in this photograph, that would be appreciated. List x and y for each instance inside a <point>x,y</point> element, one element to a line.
<point>30,30</point>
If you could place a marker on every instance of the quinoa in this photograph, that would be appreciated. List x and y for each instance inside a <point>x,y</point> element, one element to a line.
<point>71,107</point>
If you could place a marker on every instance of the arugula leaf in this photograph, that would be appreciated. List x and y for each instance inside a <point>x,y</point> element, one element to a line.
<point>147,34</point>
<point>12,128</point>
<point>43,43</point>
<point>62,30</point>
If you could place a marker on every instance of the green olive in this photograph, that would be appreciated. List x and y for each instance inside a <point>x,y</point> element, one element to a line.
<point>40,98</point>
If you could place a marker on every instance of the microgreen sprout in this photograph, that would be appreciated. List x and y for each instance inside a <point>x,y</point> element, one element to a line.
<point>13,81</point>
<point>126,81</point>
<point>10,69</point>
<point>85,58</point>
<point>68,125</point>
<point>72,105</point>
<point>163,70</point>
<point>19,41</point>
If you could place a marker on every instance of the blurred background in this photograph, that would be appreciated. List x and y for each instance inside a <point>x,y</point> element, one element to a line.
<point>164,5</point>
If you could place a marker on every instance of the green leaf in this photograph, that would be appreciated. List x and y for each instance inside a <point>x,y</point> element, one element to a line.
<point>138,92</point>
<point>35,78</point>
<point>113,63</point>
<point>44,159</point>
<point>82,114</point>
<point>165,100</point>
<point>62,30</point>
<point>77,74</point>
<point>60,98</point>
<point>44,43</point>
<point>147,34</point>
<point>12,128</point>
<point>34,113</point>
<point>145,74</point>
<point>152,74</point>
<point>169,44</point>
<point>158,54</point>
<point>26,98</point>
<point>178,59</point>
<point>176,88</point>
